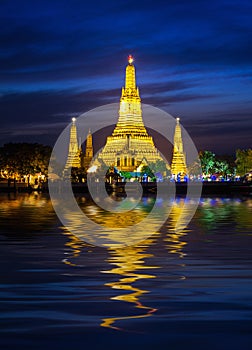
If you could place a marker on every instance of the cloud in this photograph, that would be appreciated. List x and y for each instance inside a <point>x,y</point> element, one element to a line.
<point>63,58</point>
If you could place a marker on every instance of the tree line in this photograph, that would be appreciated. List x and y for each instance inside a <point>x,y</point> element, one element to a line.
<point>239,165</point>
<point>23,159</point>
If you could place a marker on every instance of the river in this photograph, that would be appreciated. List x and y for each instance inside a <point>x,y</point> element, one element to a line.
<point>186,290</point>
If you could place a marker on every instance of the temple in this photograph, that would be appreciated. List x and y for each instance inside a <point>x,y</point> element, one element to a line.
<point>178,166</point>
<point>74,153</point>
<point>129,145</point>
<point>88,156</point>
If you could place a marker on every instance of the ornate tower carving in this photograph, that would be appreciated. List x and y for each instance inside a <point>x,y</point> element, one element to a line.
<point>129,143</point>
<point>89,151</point>
<point>73,159</point>
<point>178,166</point>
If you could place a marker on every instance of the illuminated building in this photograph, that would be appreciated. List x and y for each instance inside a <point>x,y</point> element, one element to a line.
<point>129,145</point>
<point>73,159</point>
<point>89,151</point>
<point>178,166</point>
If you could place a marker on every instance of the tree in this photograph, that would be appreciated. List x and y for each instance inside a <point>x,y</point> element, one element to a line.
<point>147,171</point>
<point>194,168</point>
<point>19,159</point>
<point>207,159</point>
<point>243,161</point>
<point>225,164</point>
<point>159,166</point>
<point>222,167</point>
<point>126,174</point>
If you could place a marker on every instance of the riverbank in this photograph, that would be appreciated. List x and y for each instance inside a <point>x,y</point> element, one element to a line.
<point>208,188</point>
<point>13,186</point>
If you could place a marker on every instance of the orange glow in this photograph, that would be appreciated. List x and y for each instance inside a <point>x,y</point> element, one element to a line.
<point>130,59</point>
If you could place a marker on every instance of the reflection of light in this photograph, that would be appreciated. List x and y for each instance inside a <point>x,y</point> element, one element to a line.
<point>173,239</point>
<point>92,210</point>
<point>76,247</point>
<point>117,219</point>
<point>218,211</point>
<point>35,209</point>
<point>128,261</point>
<point>82,199</point>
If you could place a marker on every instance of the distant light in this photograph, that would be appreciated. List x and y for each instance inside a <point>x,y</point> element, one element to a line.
<point>92,169</point>
<point>130,59</point>
<point>178,119</point>
<point>73,119</point>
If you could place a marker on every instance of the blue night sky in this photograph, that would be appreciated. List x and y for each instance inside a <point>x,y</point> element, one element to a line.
<point>193,58</point>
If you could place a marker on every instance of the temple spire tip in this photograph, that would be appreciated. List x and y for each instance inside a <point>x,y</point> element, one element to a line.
<point>130,59</point>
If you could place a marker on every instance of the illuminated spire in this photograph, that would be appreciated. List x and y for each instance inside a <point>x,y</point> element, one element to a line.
<point>130,112</point>
<point>178,165</point>
<point>89,150</point>
<point>129,143</point>
<point>73,159</point>
<point>130,59</point>
<point>130,78</point>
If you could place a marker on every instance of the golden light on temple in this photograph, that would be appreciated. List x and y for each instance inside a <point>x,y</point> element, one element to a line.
<point>89,152</point>
<point>130,59</point>
<point>74,151</point>
<point>178,166</point>
<point>130,144</point>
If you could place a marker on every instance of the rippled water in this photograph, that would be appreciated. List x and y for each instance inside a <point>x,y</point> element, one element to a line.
<point>190,290</point>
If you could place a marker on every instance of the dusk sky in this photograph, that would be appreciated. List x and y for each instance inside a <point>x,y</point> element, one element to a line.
<point>193,59</point>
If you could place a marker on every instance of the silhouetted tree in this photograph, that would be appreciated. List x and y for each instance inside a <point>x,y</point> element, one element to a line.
<point>19,159</point>
<point>243,161</point>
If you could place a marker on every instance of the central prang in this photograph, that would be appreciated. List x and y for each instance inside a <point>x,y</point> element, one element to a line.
<point>130,145</point>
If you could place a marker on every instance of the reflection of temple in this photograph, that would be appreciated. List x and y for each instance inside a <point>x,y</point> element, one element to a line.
<point>178,166</point>
<point>74,153</point>
<point>176,229</point>
<point>127,265</point>
<point>129,143</point>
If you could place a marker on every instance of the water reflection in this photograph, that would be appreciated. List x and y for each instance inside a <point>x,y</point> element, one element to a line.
<point>214,213</point>
<point>109,229</point>
<point>23,214</point>
<point>124,276</point>
<point>128,265</point>
<point>129,262</point>
<point>174,237</point>
<point>75,246</point>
